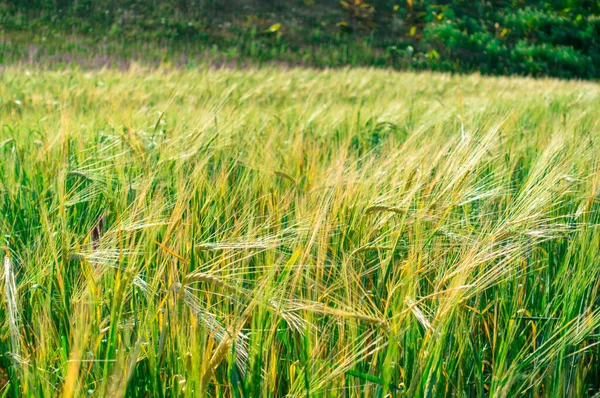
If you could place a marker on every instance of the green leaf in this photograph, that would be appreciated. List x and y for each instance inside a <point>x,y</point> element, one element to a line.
<point>373,379</point>
<point>274,28</point>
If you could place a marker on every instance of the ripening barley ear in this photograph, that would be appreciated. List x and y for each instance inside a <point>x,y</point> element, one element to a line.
<point>14,320</point>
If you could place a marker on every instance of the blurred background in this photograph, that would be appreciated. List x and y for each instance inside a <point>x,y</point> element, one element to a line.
<point>538,38</point>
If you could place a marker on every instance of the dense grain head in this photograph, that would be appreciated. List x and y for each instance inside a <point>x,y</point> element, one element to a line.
<point>13,314</point>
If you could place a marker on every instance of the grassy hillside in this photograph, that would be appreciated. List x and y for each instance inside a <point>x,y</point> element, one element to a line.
<point>559,38</point>
<point>311,233</point>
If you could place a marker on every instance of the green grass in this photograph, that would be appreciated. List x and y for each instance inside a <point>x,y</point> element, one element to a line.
<point>305,233</point>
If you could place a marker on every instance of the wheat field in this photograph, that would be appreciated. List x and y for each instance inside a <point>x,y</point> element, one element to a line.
<point>292,232</point>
